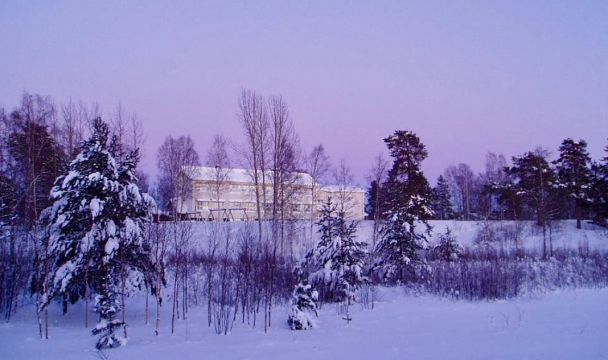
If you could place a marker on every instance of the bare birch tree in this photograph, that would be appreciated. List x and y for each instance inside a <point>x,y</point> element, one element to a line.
<point>284,143</point>
<point>75,125</point>
<point>317,166</point>
<point>253,117</point>
<point>128,130</point>
<point>159,241</point>
<point>462,183</point>
<point>343,178</point>
<point>177,161</point>
<point>284,163</point>
<point>218,159</point>
<point>129,136</point>
<point>36,161</point>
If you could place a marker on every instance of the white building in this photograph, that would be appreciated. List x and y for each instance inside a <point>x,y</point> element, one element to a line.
<point>229,194</point>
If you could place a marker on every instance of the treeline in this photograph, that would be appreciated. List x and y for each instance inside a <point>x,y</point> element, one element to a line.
<point>531,187</point>
<point>341,269</point>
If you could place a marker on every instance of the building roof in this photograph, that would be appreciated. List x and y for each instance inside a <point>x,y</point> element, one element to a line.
<point>205,173</point>
<point>340,188</point>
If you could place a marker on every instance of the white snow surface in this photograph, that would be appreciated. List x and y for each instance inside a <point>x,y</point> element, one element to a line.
<point>564,234</point>
<point>566,324</point>
<point>570,324</point>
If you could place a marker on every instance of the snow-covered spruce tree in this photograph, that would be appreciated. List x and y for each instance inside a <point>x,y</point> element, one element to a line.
<point>312,262</point>
<point>574,174</point>
<point>303,307</point>
<point>442,203</point>
<point>335,265</point>
<point>407,197</point>
<point>96,226</point>
<point>448,248</point>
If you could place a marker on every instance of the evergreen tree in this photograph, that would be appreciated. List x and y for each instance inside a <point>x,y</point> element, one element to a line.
<point>7,198</point>
<point>35,161</point>
<point>335,265</point>
<point>599,190</point>
<point>505,193</point>
<point>407,198</point>
<point>574,174</point>
<point>304,306</point>
<point>533,181</point>
<point>96,227</point>
<point>442,204</point>
<point>6,219</point>
<point>15,259</point>
<point>448,248</point>
<point>371,203</point>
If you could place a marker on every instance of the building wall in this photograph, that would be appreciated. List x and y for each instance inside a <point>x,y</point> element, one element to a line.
<point>351,200</point>
<point>236,201</point>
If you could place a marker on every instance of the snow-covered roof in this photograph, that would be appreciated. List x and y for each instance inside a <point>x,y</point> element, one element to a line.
<point>205,173</point>
<point>340,188</point>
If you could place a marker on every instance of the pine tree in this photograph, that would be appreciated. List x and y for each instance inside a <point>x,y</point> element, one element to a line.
<point>533,181</point>
<point>442,204</point>
<point>335,265</point>
<point>505,192</point>
<point>599,190</point>
<point>304,306</point>
<point>574,175</point>
<point>407,198</point>
<point>96,226</point>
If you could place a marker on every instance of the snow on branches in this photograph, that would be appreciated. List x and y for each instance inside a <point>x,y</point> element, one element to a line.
<point>96,228</point>
<point>408,203</point>
<point>335,265</point>
<point>304,307</point>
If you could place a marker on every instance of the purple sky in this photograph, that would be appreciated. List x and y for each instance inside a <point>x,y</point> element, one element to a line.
<point>468,77</point>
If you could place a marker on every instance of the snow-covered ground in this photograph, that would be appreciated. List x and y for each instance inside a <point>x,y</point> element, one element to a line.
<point>569,324</point>
<point>564,233</point>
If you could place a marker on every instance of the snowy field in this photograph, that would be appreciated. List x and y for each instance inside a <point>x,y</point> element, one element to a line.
<point>569,324</point>
<point>564,233</point>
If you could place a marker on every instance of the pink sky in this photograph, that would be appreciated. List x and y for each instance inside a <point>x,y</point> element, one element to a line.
<point>468,77</point>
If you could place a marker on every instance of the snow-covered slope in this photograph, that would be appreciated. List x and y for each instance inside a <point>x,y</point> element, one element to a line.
<point>564,233</point>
